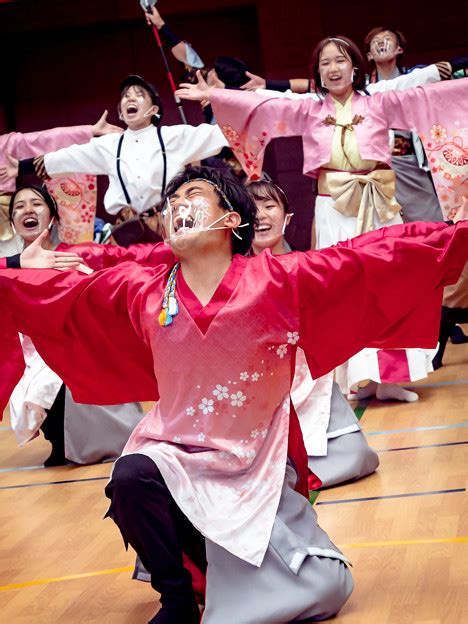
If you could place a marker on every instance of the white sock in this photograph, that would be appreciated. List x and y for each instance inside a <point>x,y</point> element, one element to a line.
<point>365,392</point>
<point>392,392</point>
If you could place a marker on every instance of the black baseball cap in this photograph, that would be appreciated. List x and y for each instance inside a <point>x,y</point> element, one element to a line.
<point>135,80</point>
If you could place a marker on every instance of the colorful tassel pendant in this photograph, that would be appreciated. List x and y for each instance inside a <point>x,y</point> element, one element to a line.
<point>170,307</point>
<point>173,306</point>
<point>163,317</point>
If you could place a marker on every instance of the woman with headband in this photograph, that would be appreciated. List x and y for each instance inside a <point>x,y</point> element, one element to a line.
<point>336,447</point>
<point>345,139</point>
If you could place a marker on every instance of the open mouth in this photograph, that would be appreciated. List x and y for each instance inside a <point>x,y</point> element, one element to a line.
<point>30,222</point>
<point>181,224</point>
<point>262,228</point>
<point>132,109</point>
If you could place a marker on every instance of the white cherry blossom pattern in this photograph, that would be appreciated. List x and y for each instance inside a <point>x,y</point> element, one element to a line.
<point>177,439</point>
<point>201,437</point>
<point>293,338</point>
<point>282,350</point>
<point>190,411</point>
<point>254,433</point>
<point>244,376</point>
<point>206,406</point>
<point>221,392</point>
<point>240,453</point>
<point>238,399</point>
<point>438,133</point>
<point>255,376</point>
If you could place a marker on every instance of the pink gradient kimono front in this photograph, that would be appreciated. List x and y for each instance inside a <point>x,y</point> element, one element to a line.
<point>219,433</point>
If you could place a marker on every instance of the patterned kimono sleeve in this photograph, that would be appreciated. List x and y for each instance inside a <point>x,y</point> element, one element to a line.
<point>382,289</point>
<point>249,122</point>
<point>439,114</point>
<point>104,256</point>
<point>425,106</point>
<point>85,327</point>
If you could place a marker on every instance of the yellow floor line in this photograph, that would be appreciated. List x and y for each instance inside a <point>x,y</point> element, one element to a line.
<point>435,540</point>
<point>70,577</point>
<point>441,540</point>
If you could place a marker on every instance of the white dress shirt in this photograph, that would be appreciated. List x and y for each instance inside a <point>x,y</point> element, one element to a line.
<point>141,160</point>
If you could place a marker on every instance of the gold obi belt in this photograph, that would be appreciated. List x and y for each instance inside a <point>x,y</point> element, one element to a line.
<point>6,231</point>
<point>361,194</point>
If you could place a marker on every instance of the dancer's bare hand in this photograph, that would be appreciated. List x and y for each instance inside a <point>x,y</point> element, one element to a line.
<point>154,18</point>
<point>36,257</point>
<point>9,170</point>
<point>195,92</point>
<point>255,82</point>
<point>102,126</point>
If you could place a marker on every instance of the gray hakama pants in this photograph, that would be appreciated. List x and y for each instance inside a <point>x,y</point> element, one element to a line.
<point>97,433</point>
<point>415,191</point>
<point>349,457</point>
<point>303,575</point>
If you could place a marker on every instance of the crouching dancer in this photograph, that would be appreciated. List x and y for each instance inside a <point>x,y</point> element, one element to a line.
<point>215,472</point>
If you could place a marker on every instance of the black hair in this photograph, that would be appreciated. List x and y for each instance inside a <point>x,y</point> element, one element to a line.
<point>401,40</point>
<point>137,81</point>
<point>230,188</point>
<point>43,193</point>
<point>347,47</point>
<point>231,71</point>
<point>267,189</point>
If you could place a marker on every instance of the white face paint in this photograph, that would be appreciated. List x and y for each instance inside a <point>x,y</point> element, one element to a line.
<point>384,47</point>
<point>336,70</point>
<point>188,218</point>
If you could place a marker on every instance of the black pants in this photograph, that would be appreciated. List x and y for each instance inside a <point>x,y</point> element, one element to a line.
<point>53,426</point>
<point>450,317</point>
<point>149,520</point>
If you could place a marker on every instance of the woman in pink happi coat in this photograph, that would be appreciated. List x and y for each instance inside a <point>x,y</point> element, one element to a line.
<point>215,469</point>
<point>346,146</point>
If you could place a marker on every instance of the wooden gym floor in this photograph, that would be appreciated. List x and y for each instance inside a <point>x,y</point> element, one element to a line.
<point>405,528</point>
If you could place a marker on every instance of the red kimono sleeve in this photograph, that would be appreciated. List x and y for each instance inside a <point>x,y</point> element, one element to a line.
<point>383,289</point>
<point>103,256</point>
<point>86,328</point>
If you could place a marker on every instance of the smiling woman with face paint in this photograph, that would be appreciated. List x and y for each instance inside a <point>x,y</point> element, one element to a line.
<point>336,447</point>
<point>346,146</point>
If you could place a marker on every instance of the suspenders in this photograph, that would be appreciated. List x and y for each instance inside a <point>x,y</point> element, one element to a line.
<point>119,172</point>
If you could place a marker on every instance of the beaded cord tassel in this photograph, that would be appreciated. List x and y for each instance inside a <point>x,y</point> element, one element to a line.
<point>170,307</point>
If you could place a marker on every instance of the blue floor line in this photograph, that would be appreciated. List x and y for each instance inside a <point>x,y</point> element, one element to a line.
<point>390,431</point>
<point>26,485</point>
<point>21,468</point>
<point>438,384</point>
<point>374,498</point>
<point>422,446</point>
